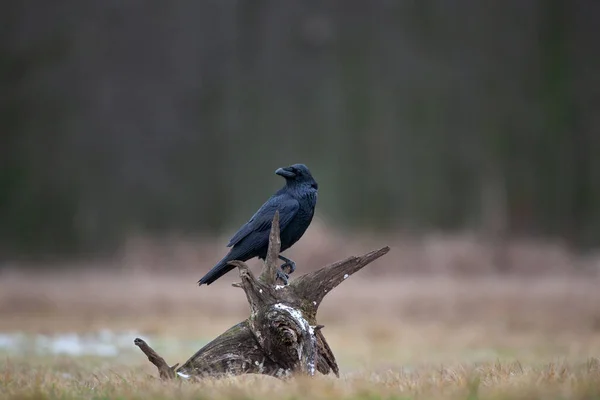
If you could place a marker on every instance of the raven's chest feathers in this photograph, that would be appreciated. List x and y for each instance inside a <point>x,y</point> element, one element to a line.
<point>296,228</point>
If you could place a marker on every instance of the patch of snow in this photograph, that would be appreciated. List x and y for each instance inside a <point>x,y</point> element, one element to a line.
<point>261,366</point>
<point>104,343</point>
<point>282,372</point>
<point>185,376</point>
<point>345,276</point>
<point>9,340</point>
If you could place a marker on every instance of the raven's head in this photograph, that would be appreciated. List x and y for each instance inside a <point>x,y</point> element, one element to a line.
<point>298,174</point>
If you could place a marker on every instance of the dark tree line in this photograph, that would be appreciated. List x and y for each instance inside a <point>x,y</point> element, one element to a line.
<point>121,117</point>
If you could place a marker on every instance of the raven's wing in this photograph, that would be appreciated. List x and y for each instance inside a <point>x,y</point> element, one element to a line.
<point>261,220</point>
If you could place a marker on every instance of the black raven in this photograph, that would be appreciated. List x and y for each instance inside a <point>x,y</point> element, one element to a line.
<point>296,204</point>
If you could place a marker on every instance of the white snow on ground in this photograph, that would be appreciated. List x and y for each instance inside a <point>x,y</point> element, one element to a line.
<point>104,343</point>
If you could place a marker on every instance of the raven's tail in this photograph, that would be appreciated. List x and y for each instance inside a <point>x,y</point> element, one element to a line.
<point>217,271</point>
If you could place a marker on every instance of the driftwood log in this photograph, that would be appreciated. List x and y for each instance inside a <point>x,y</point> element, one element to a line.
<point>281,337</point>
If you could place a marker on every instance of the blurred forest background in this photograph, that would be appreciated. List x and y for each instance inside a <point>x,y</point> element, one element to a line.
<point>150,117</point>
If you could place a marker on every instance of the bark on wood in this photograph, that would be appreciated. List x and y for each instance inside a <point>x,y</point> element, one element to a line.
<point>269,273</point>
<point>281,337</point>
<point>164,371</point>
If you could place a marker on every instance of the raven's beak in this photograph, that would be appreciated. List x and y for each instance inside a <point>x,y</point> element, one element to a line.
<point>285,172</point>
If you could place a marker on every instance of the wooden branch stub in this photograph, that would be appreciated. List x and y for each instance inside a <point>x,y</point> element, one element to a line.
<point>314,286</point>
<point>164,371</point>
<point>269,272</point>
<point>257,292</point>
<point>326,361</point>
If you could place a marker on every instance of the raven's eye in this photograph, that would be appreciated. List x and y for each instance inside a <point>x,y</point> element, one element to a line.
<point>314,185</point>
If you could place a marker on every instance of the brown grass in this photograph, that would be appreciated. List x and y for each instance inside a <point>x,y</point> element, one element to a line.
<point>487,380</point>
<point>396,333</point>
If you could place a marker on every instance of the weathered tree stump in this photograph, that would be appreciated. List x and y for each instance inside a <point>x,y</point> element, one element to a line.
<point>281,337</point>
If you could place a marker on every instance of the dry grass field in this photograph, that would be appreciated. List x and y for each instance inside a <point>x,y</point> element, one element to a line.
<point>396,334</point>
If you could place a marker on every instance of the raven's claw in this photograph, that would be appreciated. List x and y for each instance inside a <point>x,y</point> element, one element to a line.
<point>282,276</point>
<point>287,263</point>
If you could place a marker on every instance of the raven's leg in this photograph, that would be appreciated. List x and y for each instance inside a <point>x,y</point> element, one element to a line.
<point>287,263</point>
